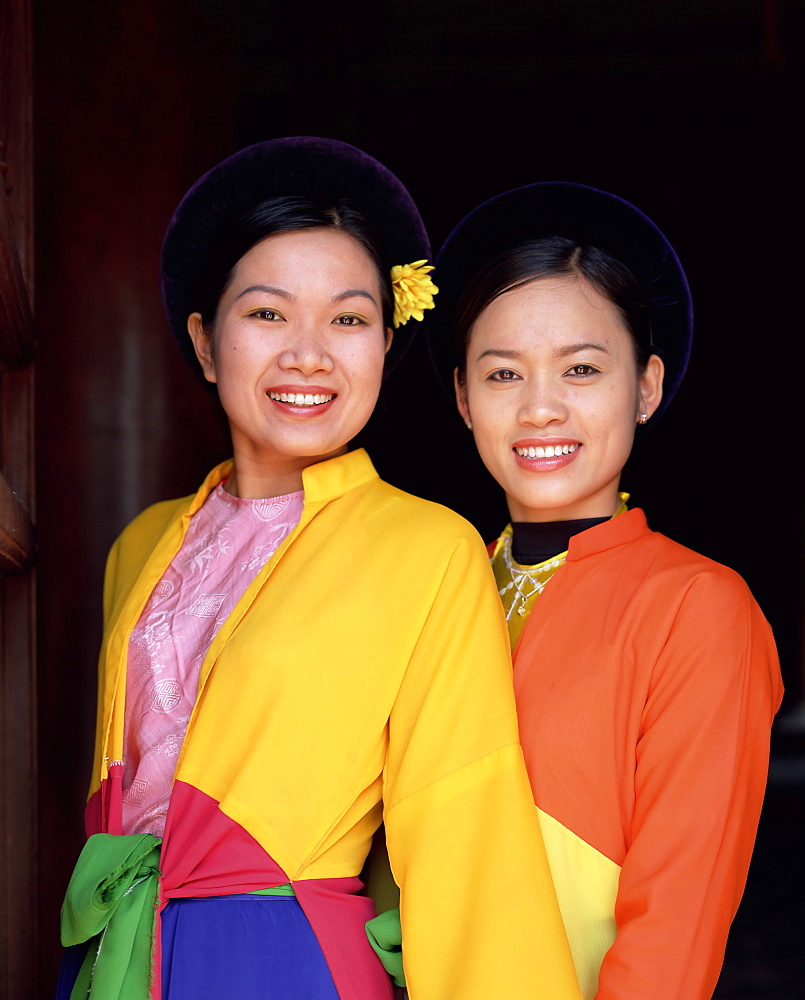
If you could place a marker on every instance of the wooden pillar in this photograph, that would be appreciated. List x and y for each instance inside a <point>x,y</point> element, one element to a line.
<point>18,911</point>
<point>134,101</point>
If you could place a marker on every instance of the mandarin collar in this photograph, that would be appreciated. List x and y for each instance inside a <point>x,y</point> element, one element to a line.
<point>620,530</point>
<point>321,482</point>
<point>331,479</point>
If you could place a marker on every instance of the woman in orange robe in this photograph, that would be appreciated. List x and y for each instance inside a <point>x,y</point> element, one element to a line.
<point>645,674</point>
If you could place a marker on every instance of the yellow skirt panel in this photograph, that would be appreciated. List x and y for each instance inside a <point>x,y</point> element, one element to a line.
<point>586,886</point>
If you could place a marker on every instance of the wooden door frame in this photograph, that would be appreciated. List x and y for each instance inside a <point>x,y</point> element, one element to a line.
<point>18,828</point>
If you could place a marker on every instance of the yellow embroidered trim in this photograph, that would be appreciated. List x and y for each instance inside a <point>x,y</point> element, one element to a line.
<point>520,586</point>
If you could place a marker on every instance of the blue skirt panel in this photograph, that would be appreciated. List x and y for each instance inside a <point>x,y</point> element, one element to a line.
<point>242,947</point>
<point>252,947</point>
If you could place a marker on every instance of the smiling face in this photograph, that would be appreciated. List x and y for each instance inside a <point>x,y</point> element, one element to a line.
<point>297,352</point>
<point>553,394</point>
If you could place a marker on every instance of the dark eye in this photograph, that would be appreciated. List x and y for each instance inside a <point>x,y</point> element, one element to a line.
<point>503,375</point>
<point>582,371</point>
<point>348,321</point>
<point>267,314</point>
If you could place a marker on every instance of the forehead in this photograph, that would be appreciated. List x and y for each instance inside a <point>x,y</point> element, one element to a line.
<point>299,256</point>
<point>552,311</point>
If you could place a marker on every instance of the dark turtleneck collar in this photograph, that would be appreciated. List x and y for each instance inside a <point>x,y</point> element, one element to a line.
<point>535,541</point>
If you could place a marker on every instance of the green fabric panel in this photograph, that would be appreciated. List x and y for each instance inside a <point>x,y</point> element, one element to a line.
<point>275,890</point>
<point>112,898</point>
<point>385,936</point>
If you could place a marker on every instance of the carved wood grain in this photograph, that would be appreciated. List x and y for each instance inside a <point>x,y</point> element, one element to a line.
<point>16,321</point>
<point>16,532</point>
<point>20,959</point>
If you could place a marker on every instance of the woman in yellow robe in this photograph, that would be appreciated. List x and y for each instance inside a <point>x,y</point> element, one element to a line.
<point>362,674</point>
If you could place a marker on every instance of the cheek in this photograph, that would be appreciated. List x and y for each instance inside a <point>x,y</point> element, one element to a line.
<point>477,400</point>
<point>238,369</point>
<point>491,426</point>
<point>613,412</point>
<point>492,411</point>
<point>617,426</point>
<point>366,363</point>
<point>231,364</point>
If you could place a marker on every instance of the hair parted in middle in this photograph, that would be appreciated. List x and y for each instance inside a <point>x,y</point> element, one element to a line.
<point>554,256</point>
<point>282,214</point>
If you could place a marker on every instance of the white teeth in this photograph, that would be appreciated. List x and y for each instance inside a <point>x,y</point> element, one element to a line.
<point>549,451</point>
<point>301,398</point>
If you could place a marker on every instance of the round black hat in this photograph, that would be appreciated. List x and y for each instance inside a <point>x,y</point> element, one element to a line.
<point>589,217</point>
<point>322,169</point>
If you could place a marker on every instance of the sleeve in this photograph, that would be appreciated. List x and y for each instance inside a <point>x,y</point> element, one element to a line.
<point>110,581</point>
<point>702,762</point>
<point>479,913</point>
<point>109,587</point>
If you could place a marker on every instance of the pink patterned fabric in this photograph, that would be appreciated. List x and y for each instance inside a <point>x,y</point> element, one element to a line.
<point>228,541</point>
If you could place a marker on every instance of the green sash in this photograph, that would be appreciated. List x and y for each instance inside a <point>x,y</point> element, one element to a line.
<point>385,936</point>
<point>111,902</point>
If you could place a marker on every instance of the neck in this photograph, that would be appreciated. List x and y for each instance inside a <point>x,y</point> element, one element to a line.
<point>253,478</point>
<point>603,503</point>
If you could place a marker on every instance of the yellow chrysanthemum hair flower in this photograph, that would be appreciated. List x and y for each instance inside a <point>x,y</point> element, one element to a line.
<point>413,290</point>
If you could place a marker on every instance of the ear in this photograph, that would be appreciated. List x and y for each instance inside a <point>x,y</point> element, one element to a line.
<point>389,338</point>
<point>461,397</point>
<point>650,383</point>
<point>203,346</point>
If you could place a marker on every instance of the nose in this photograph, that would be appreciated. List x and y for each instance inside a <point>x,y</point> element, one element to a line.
<point>307,354</point>
<point>542,404</point>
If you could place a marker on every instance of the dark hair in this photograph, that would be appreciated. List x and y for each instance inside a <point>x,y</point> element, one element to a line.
<point>284,214</point>
<point>554,256</point>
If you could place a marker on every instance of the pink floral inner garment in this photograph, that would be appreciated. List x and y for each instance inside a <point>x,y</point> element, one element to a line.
<point>226,545</point>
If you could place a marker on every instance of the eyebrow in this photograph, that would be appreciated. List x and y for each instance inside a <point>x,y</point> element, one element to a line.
<point>589,345</point>
<point>500,352</point>
<point>272,289</point>
<point>562,352</point>
<point>351,293</point>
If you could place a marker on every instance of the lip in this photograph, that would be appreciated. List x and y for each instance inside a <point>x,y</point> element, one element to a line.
<point>306,412</point>
<point>546,463</point>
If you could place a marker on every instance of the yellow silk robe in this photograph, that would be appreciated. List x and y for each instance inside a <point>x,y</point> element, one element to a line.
<point>364,676</point>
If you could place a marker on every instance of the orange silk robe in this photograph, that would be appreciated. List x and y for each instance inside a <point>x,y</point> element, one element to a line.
<point>646,681</point>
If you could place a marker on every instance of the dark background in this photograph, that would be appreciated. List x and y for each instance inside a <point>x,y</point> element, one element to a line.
<point>690,110</point>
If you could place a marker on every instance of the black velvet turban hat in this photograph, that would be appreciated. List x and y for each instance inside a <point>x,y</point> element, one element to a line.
<point>588,217</point>
<point>325,170</point>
